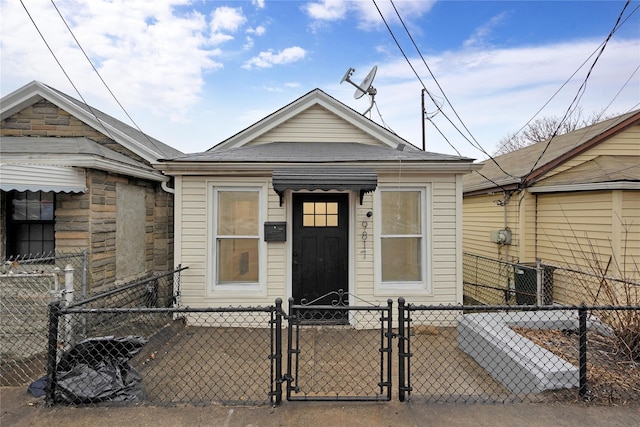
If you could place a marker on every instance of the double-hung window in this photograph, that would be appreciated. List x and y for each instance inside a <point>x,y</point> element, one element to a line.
<point>31,223</point>
<point>403,257</point>
<point>237,236</point>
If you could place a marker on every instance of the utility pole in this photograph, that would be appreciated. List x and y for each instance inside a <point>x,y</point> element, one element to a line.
<point>423,120</point>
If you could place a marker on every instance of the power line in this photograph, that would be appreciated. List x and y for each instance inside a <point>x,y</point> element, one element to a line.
<point>579,93</point>
<point>63,70</point>
<point>456,150</point>
<point>572,75</point>
<point>476,145</point>
<point>98,74</point>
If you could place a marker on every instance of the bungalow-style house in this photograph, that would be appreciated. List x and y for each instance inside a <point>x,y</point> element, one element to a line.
<point>572,201</point>
<point>317,198</point>
<point>73,177</point>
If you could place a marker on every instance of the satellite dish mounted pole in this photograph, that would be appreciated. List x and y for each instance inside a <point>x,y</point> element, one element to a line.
<point>364,87</point>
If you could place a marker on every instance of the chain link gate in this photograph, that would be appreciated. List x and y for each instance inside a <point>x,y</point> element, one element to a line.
<point>339,352</point>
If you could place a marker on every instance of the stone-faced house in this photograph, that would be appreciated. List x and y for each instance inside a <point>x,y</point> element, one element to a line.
<point>72,177</point>
<point>317,198</point>
<point>573,201</point>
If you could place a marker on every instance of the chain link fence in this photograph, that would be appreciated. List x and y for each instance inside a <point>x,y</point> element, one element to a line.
<point>339,351</point>
<point>502,354</point>
<point>27,285</point>
<point>164,356</point>
<point>494,282</point>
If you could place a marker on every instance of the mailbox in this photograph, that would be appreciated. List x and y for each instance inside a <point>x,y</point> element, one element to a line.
<point>275,231</point>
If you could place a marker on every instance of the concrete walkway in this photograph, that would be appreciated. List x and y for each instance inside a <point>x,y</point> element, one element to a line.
<point>18,408</point>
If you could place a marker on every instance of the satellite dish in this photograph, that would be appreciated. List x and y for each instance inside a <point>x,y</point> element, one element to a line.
<point>363,88</point>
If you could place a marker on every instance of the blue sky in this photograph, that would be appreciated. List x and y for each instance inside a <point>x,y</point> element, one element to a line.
<point>193,73</point>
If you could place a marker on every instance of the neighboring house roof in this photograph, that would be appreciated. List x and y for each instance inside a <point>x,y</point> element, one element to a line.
<point>521,167</point>
<point>139,143</point>
<point>615,171</point>
<point>72,152</point>
<point>312,98</point>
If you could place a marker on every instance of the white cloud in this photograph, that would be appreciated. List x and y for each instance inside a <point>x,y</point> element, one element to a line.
<point>480,35</point>
<point>496,91</point>
<point>270,58</point>
<point>258,3</point>
<point>227,19</point>
<point>248,43</point>
<point>150,56</point>
<point>366,12</point>
<point>327,10</point>
<point>258,31</point>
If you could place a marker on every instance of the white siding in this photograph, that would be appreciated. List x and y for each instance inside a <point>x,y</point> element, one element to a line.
<point>192,240</point>
<point>315,124</point>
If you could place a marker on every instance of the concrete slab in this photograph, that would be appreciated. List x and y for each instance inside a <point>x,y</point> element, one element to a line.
<point>520,365</point>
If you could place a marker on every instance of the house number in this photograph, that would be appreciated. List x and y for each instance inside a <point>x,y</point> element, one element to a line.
<point>364,236</point>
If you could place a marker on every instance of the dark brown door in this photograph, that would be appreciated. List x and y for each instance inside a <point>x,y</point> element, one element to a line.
<point>320,246</point>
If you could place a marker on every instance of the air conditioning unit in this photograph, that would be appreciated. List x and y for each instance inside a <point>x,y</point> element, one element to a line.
<point>502,237</point>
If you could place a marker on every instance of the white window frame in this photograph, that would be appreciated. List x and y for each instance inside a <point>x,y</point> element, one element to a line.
<point>255,288</point>
<point>422,286</point>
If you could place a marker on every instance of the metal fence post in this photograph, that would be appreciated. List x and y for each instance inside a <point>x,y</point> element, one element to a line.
<point>389,334</point>
<point>290,324</point>
<point>278,355</point>
<point>85,263</point>
<point>401,350</point>
<point>582,319</point>
<point>52,352</point>
<point>539,283</point>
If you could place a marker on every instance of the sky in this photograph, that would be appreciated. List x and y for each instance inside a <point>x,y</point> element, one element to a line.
<point>194,73</point>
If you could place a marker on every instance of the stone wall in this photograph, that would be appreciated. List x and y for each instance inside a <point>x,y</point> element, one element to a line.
<point>46,119</point>
<point>88,220</point>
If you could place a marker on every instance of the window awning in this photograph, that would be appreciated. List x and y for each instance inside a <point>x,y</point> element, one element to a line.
<point>357,180</point>
<point>28,177</point>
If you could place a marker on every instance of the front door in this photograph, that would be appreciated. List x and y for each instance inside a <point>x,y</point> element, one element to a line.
<point>320,247</point>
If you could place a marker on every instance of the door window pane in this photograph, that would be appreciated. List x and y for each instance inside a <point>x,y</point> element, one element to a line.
<point>320,214</point>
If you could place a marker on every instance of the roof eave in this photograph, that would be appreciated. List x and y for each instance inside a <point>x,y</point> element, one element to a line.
<point>593,186</point>
<point>89,162</point>
<point>202,168</point>
<point>35,91</point>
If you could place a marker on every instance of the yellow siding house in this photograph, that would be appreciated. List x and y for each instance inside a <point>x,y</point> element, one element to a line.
<point>572,201</point>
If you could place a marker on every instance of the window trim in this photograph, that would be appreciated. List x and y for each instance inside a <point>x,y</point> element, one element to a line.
<point>256,288</point>
<point>420,287</point>
<point>12,242</point>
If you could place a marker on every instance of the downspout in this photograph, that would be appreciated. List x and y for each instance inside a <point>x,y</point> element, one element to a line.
<point>164,186</point>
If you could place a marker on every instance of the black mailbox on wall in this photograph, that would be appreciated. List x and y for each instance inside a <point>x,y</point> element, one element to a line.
<point>275,231</point>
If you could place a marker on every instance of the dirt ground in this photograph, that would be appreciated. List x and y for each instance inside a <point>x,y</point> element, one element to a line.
<point>612,377</point>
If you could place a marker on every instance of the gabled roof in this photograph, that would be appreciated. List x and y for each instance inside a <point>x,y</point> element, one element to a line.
<point>316,152</point>
<point>313,98</point>
<point>328,155</point>
<point>519,164</point>
<point>139,143</point>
